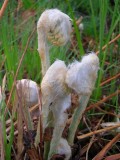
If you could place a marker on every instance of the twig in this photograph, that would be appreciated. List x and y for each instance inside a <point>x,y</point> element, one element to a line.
<point>21,109</point>
<point>20,135</point>
<point>29,151</point>
<point>19,65</point>
<point>112,41</point>
<point>113,157</point>
<point>109,113</point>
<point>15,123</point>
<point>40,109</point>
<point>102,101</point>
<point>3,8</point>
<point>79,21</point>
<point>38,138</point>
<point>98,131</point>
<point>110,79</point>
<point>93,138</point>
<point>102,153</point>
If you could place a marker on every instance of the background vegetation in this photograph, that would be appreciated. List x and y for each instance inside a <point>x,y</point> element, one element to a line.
<point>101,21</point>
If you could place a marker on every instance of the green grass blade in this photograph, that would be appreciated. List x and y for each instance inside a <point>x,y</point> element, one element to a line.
<point>77,32</point>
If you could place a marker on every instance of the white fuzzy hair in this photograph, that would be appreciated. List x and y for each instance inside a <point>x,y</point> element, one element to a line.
<point>53,26</point>
<point>60,118</point>
<point>57,99</point>
<point>81,76</point>
<point>64,149</point>
<point>56,25</point>
<point>54,94</point>
<point>28,91</point>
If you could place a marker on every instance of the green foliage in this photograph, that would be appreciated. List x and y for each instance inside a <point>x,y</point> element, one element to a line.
<point>15,30</point>
<point>101,22</point>
<point>114,22</point>
<point>28,3</point>
<point>7,140</point>
<point>77,32</point>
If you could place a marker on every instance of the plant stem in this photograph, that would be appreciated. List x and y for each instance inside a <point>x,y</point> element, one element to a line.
<point>37,138</point>
<point>28,117</point>
<point>57,133</point>
<point>46,149</point>
<point>47,144</point>
<point>43,50</point>
<point>77,117</point>
<point>2,10</point>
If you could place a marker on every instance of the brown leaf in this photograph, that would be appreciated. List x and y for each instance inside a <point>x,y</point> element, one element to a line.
<point>48,134</point>
<point>29,145</point>
<point>74,103</point>
<point>32,153</point>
